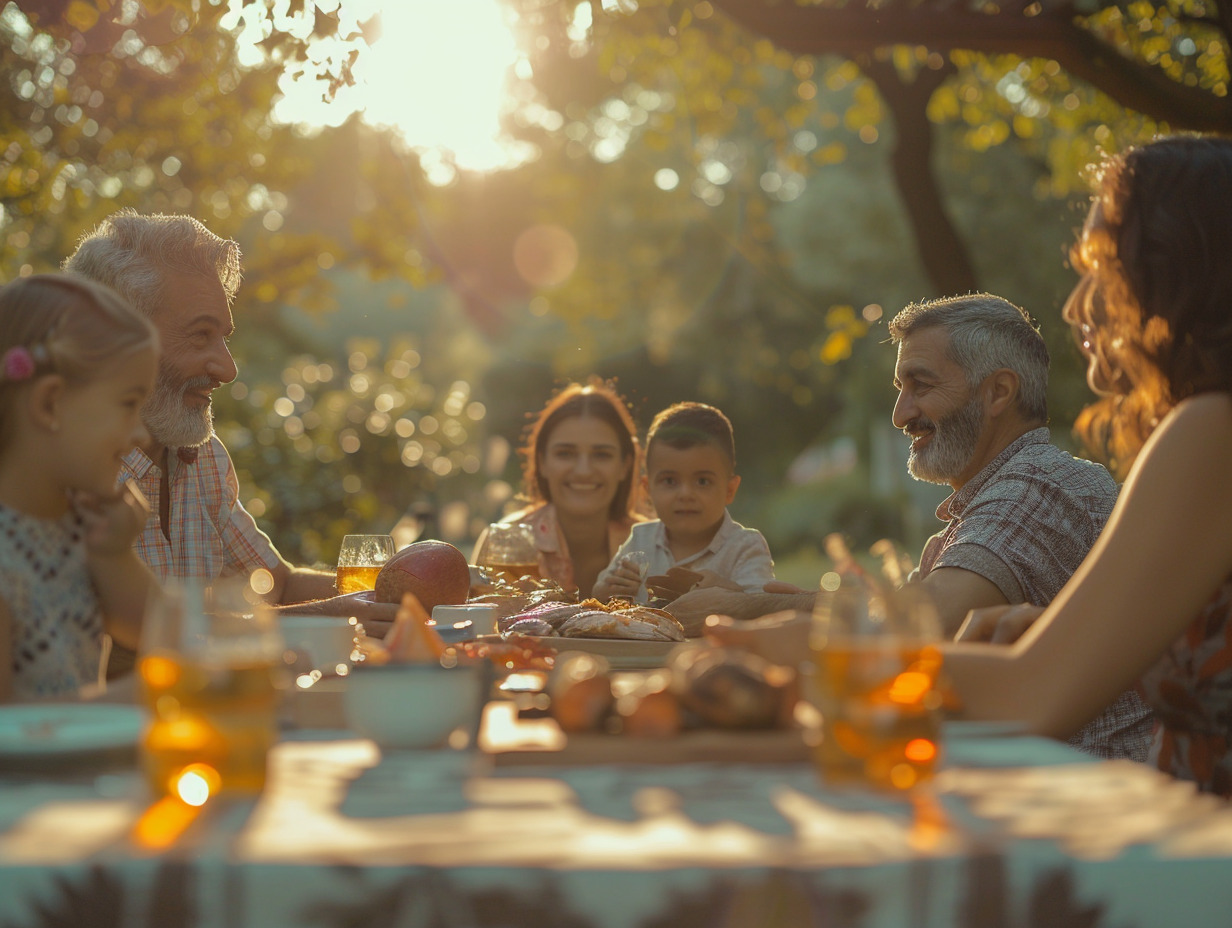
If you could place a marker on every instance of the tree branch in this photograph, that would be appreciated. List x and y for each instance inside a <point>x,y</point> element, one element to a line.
<point>1055,33</point>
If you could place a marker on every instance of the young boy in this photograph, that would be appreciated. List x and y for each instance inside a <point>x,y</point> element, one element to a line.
<point>690,476</point>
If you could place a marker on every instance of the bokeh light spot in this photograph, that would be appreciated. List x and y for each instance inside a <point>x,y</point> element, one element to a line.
<point>545,255</point>
<point>197,783</point>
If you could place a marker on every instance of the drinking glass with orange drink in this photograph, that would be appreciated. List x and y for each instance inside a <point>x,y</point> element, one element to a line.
<point>360,559</point>
<point>508,552</point>
<point>209,669</point>
<point>876,664</point>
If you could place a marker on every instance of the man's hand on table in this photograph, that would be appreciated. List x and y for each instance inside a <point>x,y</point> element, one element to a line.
<point>692,608</point>
<point>374,616</point>
<point>999,624</point>
<point>780,638</point>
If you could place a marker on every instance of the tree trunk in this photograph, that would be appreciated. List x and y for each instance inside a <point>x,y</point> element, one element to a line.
<point>941,248</point>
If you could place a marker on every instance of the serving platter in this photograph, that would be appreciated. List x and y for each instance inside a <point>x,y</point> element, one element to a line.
<point>620,653</point>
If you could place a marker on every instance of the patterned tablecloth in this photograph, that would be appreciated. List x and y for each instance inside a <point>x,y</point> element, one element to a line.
<point>1016,832</point>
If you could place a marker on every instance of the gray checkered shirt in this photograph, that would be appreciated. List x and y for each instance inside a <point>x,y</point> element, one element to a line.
<point>1025,522</point>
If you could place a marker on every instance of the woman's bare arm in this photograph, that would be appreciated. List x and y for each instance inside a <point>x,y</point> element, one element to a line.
<point>1164,552</point>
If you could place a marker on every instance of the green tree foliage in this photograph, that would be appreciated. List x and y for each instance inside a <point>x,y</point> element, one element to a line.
<point>725,200</point>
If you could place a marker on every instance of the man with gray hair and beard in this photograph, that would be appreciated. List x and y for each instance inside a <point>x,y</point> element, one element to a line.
<point>184,278</point>
<point>971,376</point>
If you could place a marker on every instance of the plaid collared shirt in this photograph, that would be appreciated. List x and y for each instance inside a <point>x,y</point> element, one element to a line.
<point>210,534</point>
<point>1025,522</point>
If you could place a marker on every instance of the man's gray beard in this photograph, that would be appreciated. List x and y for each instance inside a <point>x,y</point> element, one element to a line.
<point>169,420</point>
<point>952,446</point>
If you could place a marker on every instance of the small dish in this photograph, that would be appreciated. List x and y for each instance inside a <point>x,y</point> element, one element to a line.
<point>68,730</point>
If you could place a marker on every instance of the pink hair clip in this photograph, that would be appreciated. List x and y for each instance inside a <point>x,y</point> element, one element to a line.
<point>19,363</point>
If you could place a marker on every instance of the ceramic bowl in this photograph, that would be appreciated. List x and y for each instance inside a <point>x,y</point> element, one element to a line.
<point>326,640</point>
<point>405,705</point>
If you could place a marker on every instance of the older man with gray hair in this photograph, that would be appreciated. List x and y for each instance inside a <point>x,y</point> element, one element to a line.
<point>185,278</point>
<point>972,375</point>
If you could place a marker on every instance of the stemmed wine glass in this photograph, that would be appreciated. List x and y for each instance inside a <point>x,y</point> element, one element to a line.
<point>508,552</point>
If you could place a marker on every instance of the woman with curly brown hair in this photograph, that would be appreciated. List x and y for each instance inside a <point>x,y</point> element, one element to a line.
<point>581,467</point>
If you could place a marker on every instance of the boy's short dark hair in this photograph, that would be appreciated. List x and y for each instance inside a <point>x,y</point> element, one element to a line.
<point>686,425</point>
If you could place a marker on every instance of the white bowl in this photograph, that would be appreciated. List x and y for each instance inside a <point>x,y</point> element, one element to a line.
<point>327,640</point>
<point>405,705</point>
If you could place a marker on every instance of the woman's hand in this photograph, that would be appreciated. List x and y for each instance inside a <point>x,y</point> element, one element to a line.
<point>999,624</point>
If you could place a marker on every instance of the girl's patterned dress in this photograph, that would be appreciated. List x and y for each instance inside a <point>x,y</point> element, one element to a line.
<point>57,628</point>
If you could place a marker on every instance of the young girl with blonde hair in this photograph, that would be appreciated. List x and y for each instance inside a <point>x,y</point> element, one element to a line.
<point>76,363</point>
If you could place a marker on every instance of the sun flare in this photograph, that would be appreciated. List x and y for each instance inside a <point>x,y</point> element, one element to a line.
<point>437,73</point>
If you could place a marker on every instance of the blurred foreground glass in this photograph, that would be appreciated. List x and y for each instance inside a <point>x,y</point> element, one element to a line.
<point>360,559</point>
<point>875,675</point>
<point>508,552</point>
<point>210,666</point>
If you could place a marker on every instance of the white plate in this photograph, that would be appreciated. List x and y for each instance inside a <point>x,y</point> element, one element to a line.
<point>68,729</point>
<point>961,728</point>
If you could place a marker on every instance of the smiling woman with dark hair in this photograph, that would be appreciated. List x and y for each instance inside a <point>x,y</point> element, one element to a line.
<point>581,467</point>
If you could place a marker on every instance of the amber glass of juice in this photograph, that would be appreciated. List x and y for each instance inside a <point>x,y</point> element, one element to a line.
<point>210,680</point>
<point>876,666</point>
<point>360,559</point>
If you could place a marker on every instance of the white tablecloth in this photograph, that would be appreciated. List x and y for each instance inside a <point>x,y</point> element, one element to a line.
<point>1016,832</point>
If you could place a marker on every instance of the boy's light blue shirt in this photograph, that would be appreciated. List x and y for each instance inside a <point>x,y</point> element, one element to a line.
<point>736,553</point>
